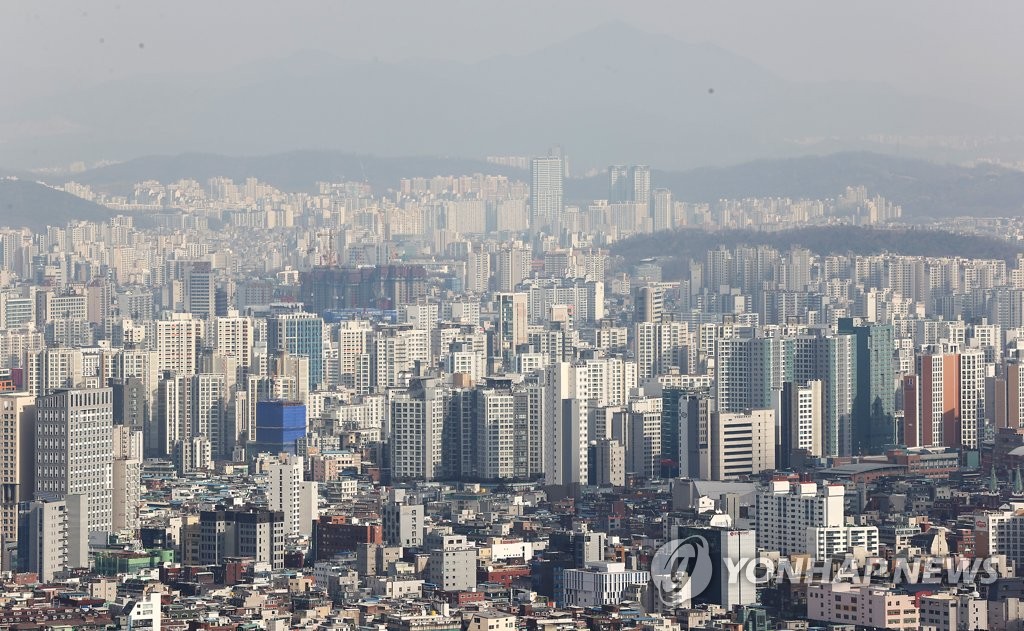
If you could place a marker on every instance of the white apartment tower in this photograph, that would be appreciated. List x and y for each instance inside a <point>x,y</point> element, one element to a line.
<point>417,423</point>
<point>547,174</point>
<point>284,491</point>
<point>233,337</point>
<point>353,354</point>
<point>511,267</point>
<point>565,425</point>
<point>496,436</point>
<point>803,518</point>
<point>178,342</point>
<point>396,352</point>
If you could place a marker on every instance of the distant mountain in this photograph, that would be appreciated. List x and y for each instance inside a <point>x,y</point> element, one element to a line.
<point>294,171</point>
<point>674,249</point>
<point>924,189</point>
<point>613,94</point>
<point>24,203</point>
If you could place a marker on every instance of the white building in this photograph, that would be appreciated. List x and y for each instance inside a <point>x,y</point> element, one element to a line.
<point>140,614</point>
<point>452,563</point>
<point>354,354</point>
<point>495,433</point>
<point>417,423</point>
<point>825,542</point>
<point>785,512</point>
<point>284,492</point>
<point>565,425</point>
<point>396,351</point>
<point>52,369</point>
<point>801,418</point>
<point>233,337</point>
<point>178,341</point>
<point>741,444</point>
<point>600,583</point>
<point>663,346</point>
<point>547,175</point>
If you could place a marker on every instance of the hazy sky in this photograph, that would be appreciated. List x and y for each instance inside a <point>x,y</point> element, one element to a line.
<point>970,51</point>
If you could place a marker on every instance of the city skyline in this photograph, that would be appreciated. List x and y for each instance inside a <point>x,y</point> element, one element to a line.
<point>459,316</point>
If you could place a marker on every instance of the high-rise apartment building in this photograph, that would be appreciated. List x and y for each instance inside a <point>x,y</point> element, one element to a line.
<point>354,354</point>
<point>661,347</point>
<point>396,353</point>
<point>662,209</point>
<point>803,518</point>
<point>511,267</point>
<point>496,434</point>
<point>178,339</point>
<point>298,333</point>
<point>200,287</point>
<point>127,478</point>
<point>511,328</point>
<point>565,425</point>
<point>417,425</point>
<point>649,303</point>
<point>194,406</point>
<point>234,336</point>
<point>546,175</point>
<point>55,368</point>
<point>284,491</point>
<point>800,422</point>
<point>629,184</point>
<point>944,402</point>
<point>74,450</point>
<point>873,425</point>
<point>477,279</point>
<point>607,460</point>
<point>833,360</point>
<point>748,371</point>
<point>17,472</point>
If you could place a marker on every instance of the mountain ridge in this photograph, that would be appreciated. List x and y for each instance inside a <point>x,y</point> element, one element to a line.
<point>611,94</point>
<point>29,204</point>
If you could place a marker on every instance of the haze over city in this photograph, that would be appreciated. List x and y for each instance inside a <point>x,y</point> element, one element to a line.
<point>113,81</point>
<point>518,316</point>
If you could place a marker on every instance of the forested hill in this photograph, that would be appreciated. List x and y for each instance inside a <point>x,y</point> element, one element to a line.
<point>679,246</point>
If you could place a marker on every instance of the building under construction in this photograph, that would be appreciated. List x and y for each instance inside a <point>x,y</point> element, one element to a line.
<point>378,287</point>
